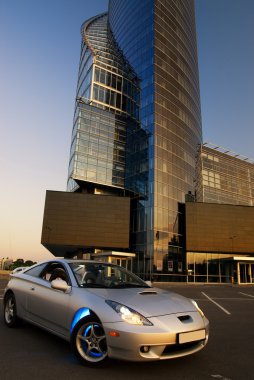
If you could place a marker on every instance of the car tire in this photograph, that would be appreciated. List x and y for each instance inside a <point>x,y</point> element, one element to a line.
<point>10,311</point>
<point>88,342</point>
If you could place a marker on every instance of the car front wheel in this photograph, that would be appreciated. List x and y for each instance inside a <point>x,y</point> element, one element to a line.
<point>88,342</point>
<point>10,311</point>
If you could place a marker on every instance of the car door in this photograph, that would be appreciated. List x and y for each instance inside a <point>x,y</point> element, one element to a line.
<point>48,307</point>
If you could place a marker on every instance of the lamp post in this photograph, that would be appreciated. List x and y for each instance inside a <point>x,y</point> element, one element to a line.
<point>232,250</point>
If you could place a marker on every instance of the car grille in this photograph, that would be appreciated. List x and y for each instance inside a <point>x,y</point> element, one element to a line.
<point>175,348</point>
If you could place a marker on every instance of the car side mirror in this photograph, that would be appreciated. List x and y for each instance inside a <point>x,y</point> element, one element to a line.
<point>60,284</point>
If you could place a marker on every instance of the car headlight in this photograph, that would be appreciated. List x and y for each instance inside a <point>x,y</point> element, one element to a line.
<point>198,308</point>
<point>129,315</point>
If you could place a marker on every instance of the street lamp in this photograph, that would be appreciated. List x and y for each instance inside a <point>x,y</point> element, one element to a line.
<point>232,249</point>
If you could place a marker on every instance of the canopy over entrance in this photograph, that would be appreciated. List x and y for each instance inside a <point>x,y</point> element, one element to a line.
<point>124,259</point>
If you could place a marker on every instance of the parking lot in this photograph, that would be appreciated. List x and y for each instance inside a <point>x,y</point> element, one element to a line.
<point>30,353</point>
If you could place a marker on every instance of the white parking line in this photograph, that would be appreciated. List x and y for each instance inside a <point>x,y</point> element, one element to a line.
<point>225,299</point>
<point>245,294</point>
<point>222,308</point>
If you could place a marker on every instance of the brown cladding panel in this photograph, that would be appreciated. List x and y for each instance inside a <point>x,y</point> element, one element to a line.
<point>85,220</point>
<point>219,228</point>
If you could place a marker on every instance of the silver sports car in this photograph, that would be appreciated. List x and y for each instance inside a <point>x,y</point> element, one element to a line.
<point>105,311</point>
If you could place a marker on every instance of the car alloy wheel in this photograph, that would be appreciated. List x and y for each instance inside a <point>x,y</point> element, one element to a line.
<point>89,342</point>
<point>10,311</point>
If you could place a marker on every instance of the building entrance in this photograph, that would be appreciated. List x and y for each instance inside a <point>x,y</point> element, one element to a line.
<point>124,259</point>
<point>245,273</point>
<point>123,262</point>
<point>222,268</point>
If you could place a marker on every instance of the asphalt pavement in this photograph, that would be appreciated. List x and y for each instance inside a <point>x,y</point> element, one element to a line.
<point>28,353</point>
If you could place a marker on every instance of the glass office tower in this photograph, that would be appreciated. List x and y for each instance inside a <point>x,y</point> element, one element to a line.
<point>107,102</point>
<point>139,70</point>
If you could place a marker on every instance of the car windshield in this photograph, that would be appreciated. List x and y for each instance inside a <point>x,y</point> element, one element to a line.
<point>100,275</point>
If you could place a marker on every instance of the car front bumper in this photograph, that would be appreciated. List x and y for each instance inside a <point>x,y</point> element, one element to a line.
<point>157,342</point>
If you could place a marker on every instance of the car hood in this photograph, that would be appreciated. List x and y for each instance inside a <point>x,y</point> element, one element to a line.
<point>150,302</point>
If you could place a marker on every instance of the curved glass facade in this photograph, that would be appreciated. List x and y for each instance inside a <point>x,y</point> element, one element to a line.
<point>137,122</point>
<point>106,115</point>
<point>132,23</point>
<point>105,77</point>
<point>159,40</point>
<point>178,128</point>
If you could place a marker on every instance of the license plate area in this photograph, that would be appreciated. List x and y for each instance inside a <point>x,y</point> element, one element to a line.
<point>191,336</point>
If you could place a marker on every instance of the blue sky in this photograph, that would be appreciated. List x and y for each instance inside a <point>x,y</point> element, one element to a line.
<point>40,47</point>
<point>226,60</point>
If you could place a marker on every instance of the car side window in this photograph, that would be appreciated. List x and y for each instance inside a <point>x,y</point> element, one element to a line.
<point>54,271</point>
<point>36,271</point>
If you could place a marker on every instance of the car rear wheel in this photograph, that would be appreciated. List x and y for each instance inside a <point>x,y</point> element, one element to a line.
<point>10,311</point>
<point>88,342</point>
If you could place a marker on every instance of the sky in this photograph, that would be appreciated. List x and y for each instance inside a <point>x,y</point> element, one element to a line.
<point>40,48</point>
